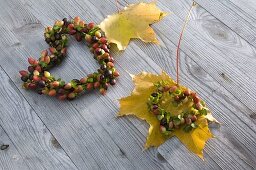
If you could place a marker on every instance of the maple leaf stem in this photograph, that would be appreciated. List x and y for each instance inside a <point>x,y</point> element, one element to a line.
<point>180,38</point>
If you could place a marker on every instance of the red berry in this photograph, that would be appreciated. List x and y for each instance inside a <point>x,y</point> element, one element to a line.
<point>62,97</point>
<point>38,68</point>
<point>89,86</point>
<point>90,25</point>
<point>31,86</point>
<point>70,26</point>
<point>193,118</point>
<point>173,88</point>
<point>96,84</point>
<point>36,78</point>
<point>78,37</point>
<point>196,99</point>
<point>31,61</point>
<point>23,73</point>
<point>44,53</point>
<point>52,50</point>
<point>83,80</point>
<point>103,40</point>
<point>72,32</point>
<point>110,64</point>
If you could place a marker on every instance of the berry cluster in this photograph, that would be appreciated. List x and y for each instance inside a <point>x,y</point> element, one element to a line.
<point>170,121</point>
<point>38,78</point>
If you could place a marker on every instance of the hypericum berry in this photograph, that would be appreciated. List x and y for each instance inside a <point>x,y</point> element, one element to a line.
<point>171,125</point>
<point>173,88</point>
<point>196,99</point>
<point>78,89</point>
<point>77,19</point>
<point>31,69</point>
<point>112,82</point>
<point>68,86</point>
<point>89,86</point>
<point>188,121</point>
<point>182,121</point>
<point>116,73</point>
<point>98,34</point>
<point>90,25</point>
<point>31,61</point>
<point>52,50</point>
<point>162,129</point>
<point>81,23</point>
<point>24,78</point>
<point>187,92</point>
<point>199,106</point>
<point>52,92</point>
<point>193,118</point>
<point>71,27</point>
<point>102,91</point>
<point>62,97</point>
<point>23,73</point>
<point>55,84</point>
<point>103,40</point>
<point>96,84</point>
<point>41,84</point>
<point>110,64</point>
<point>36,78</point>
<point>47,74</point>
<point>71,95</point>
<point>31,86</point>
<point>107,73</point>
<point>166,88</point>
<point>83,80</point>
<point>36,73</point>
<point>78,37</point>
<point>44,53</point>
<point>47,59</point>
<point>88,38</point>
<point>38,68</point>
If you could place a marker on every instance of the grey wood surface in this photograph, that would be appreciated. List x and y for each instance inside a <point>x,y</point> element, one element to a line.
<point>218,59</point>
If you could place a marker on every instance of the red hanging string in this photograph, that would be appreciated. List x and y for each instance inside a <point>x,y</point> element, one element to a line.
<point>180,38</point>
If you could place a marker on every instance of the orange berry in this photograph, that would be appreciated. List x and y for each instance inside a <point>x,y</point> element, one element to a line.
<point>52,92</point>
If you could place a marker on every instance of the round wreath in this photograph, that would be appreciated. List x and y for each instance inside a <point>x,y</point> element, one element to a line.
<point>178,96</point>
<point>38,78</point>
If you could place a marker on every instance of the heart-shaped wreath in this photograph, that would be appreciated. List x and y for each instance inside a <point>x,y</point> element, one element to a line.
<point>38,78</point>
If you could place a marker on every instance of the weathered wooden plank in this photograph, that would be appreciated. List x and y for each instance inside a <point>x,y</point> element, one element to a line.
<point>140,69</point>
<point>10,158</point>
<point>243,24</point>
<point>238,102</point>
<point>141,160</point>
<point>27,132</point>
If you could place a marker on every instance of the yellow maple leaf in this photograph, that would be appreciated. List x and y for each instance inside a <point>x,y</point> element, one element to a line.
<point>132,22</point>
<point>136,104</point>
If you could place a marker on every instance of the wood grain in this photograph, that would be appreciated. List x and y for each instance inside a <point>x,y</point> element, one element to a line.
<point>27,132</point>
<point>239,21</point>
<point>10,158</point>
